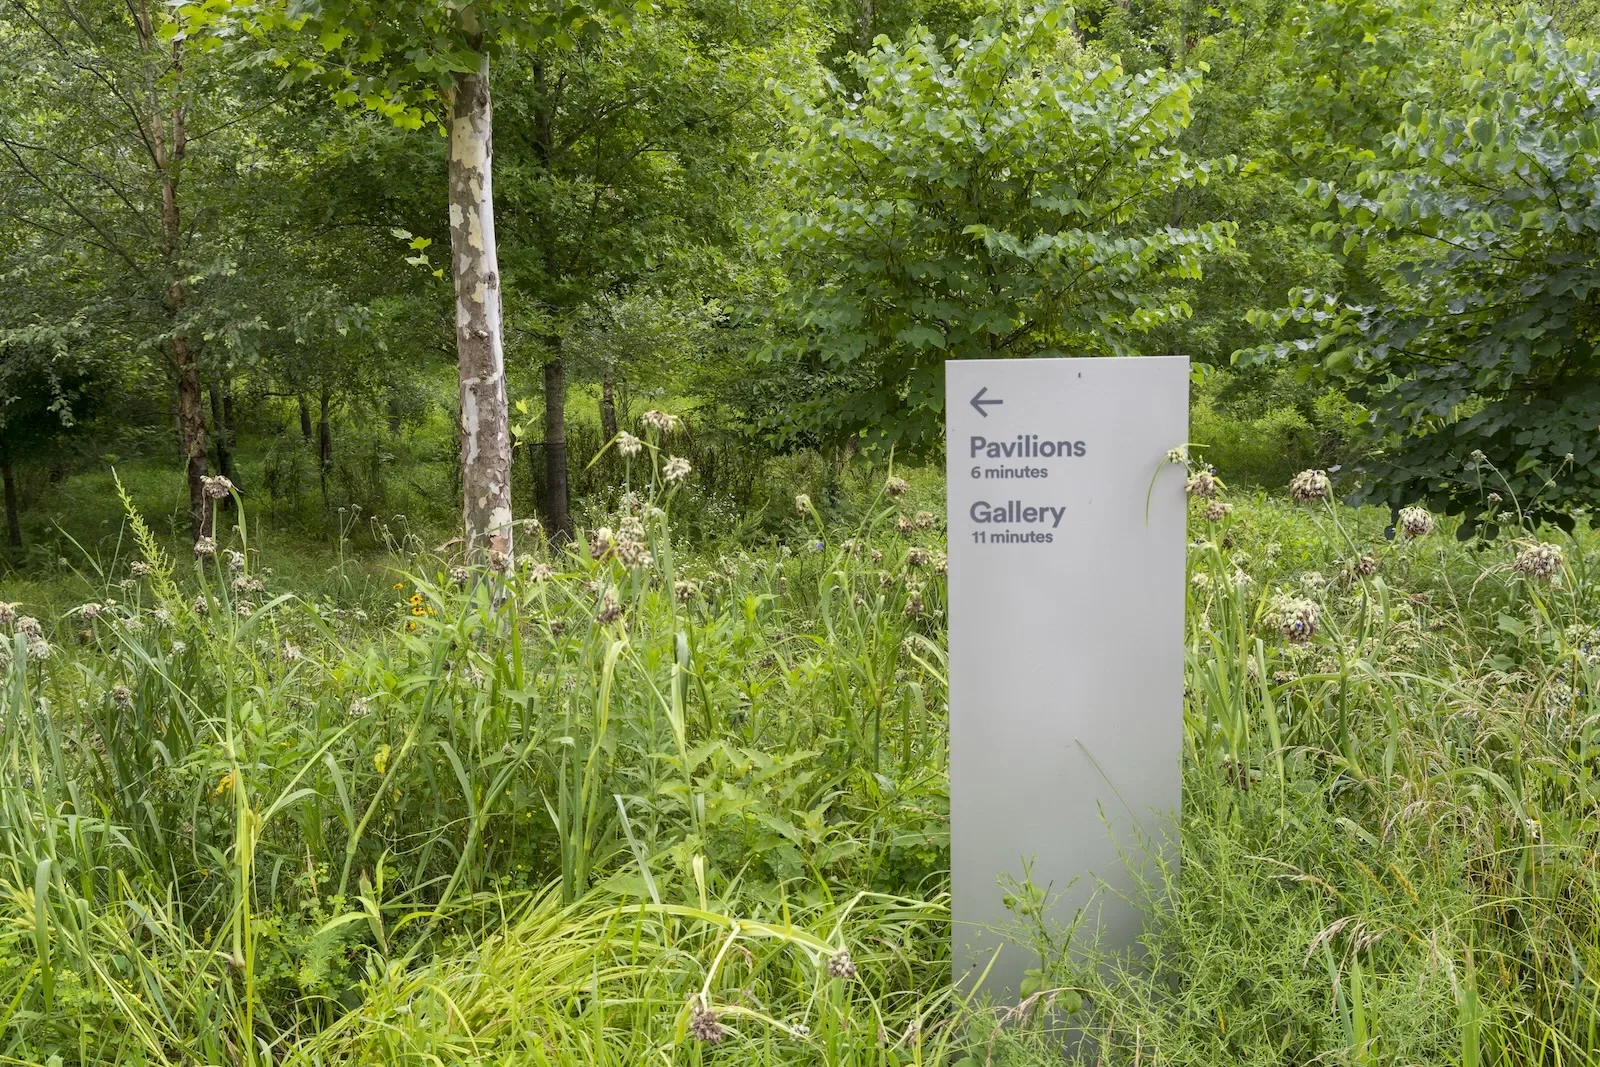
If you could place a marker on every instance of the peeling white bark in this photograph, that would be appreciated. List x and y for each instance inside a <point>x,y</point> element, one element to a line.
<point>480,356</point>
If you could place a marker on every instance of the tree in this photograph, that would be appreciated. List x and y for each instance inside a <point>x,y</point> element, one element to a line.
<point>96,121</point>
<point>629,160</point>
<point>1480,217</point>
<point>427,62</point>
<point>993,202</point>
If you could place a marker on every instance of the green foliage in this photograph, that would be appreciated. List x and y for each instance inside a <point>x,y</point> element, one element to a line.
<point>1480,357</point>
<point>983,199</point>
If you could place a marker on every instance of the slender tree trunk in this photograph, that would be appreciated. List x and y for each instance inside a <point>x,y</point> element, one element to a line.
<point>13,511</point>
<point>865,27</point>
<point>480,357</point>
<point>324,441</point>
<point>393,413</point>
<point>305,417</point>
<point>221,430</point>
<point>556,503</point>
<point>168,157</point>
<point>608,404</point>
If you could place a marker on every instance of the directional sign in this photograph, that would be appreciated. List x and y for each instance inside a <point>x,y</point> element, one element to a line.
<point>1066,644</point>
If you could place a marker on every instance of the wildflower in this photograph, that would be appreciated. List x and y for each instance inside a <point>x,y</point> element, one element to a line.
<point>704,1027</point>
<point>140,569</point>
<point>924,520</point>
<point>628,444</point>
<point>896,487</point>
<point>133,624</point>
<point>903,525</point>
<point>633,553</point>
<point>1494,500</point>
<point>676,471</point>
<point>1178,455</point>
<point>499,562</point>
<point>940,563</point>
<point>358,708</point>
<point>380,759</point>
<point>685,591</point>
<point>1415,522</point>
<point>815,546</point>
<point>243,609</point>
<point>1366,567</point>
<point>179,648</point>
<point>38,648</point>
<point>205,546</point>
<point>1297,618</point>
<point>1201,580</point>
<point>1307,487</point>
<point>609,611</point>
<point>601,544</point>
<point>541,572</point>
<point>8,613</point>
<point>224,784</point>
<point>850,547</point>
<point>29,626</point>
<point>917,557</point>
<point>840,965</point>
<point>1203,485</point>
<point>915,606</point>
<point>122,696</point>
<point>1313,580</point>
<point>1539,562</point>
<point>91,612</point>
<point>1215,511</point>
<point>802,503</point>
<point>630,502</point>
<point>235,559</point>
<point>1476,459</point>
<point>290,653</point>
<point>215,487</point>
<point>460,575</point>
<point>660,421</point>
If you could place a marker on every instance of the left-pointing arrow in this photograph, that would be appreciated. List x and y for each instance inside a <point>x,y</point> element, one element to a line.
<point>979,403</point>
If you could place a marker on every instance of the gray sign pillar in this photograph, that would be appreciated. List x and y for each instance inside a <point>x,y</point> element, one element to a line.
<point>1067,550</point>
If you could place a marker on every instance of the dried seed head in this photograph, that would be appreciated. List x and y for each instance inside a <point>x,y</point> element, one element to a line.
<point>1415,522</point>
<point>903,525</point>
<point>122,696</point>
<point>1216,511</point>
<point>91,612</point>
<point>704,1027</point>
<point>215,487</point>
<point>917,556</point>
<point>609,610</point>
<point>205,546</point>
<point>924,520</point>
<point>633,553</point>
<point>685,591</point>
<point>602,543</point>
<point>1307,487</point>
<point>235,559</point>
<point>1539,562</point>
<point>660,421</point>
<point>1297,618</point>
<point>631,528</point>
<point>29,626</point>
<point>896,487</point>
<point>1366,567</point>
<point>629,445</point>
<point>201,605</point>
<point>915,606</point>
<point>139,568</point>
<point>840,965</point>
<point>541,572</point>
<point>676,470</point>
<point>460,576</point>
<point>38,649</point>
<point>802,503</point>
<point>1203,485</point>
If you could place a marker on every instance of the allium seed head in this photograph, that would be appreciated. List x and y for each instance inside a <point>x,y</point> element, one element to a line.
<point>629,445</point>
<point>840,965</point>
<point>215,487</point>
<point>676,470</point>
<point>122,696</point>
<point>1539,562</point>
<point>1308,487</point>
<point>602,543</point>
<point>29,626</point>
<point>1415,522</point>
<point>1366,566</point>
<point>802,503</point>
<point>1297,618</point>
<point>704,1027</point>
<point>609,610</point>
<point>205,547</point>
<point>917,557</point>
<point>660,421</point>
<point>924,520</point>
<point>1215,511</point>
<point>896,487</point>
<point>1203,485</point>
<point>685,591</point>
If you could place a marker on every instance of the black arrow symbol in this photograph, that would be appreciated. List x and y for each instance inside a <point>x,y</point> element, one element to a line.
<point>979,403</point>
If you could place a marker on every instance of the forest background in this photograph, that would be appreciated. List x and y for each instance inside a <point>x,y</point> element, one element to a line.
<point>227,245</point>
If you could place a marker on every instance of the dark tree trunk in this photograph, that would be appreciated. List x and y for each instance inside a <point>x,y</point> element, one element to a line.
<point>324,442</point>
<point>13,512</point>
<point>222,430</point>
<point>608,405</point>
<point>305,417</point>
<point>395,423</point>
<point>556,504</point>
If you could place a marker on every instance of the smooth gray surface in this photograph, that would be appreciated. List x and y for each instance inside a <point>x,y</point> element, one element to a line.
<point>1066,656</point>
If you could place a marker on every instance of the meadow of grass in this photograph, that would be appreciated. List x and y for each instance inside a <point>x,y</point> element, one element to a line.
<point>635,802</point>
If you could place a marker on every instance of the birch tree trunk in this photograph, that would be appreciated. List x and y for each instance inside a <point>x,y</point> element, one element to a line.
<point>480,357</point>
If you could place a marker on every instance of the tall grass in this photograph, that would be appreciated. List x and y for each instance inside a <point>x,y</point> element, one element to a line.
<point>625,803</point>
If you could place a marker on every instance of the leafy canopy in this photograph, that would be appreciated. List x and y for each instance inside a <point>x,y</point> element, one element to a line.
<point>1480,218</point>
<point>998,197</point>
